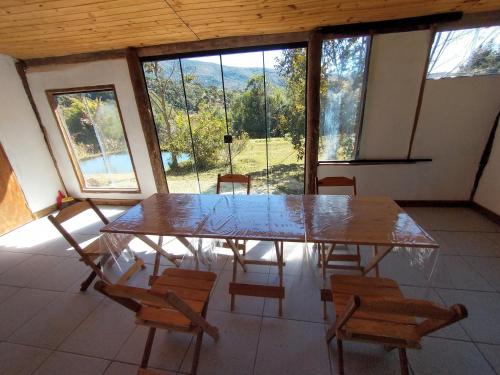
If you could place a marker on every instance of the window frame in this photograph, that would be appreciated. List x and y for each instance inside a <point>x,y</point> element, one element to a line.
<point>51,96</point>
<point>362,104</point>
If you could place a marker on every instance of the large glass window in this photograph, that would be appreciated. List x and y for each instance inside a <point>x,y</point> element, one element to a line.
<point>343,70</point>
<point>91,125</point>
<point>468,52</point>
<point>231,113</point>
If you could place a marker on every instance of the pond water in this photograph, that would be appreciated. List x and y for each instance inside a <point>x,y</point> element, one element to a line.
<point>120,163</point>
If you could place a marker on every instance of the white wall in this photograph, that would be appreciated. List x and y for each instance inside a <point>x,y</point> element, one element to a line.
<point>397,62</point>
<point>455,120</point>
<point>92,74</point>
<point>23,141</point>
<point>488,191</point>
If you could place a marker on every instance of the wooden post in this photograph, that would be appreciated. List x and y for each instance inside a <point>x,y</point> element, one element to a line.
<point>147,120</point>
<point>21,71</point>
<point>421,91</point>
<point>313,109</point>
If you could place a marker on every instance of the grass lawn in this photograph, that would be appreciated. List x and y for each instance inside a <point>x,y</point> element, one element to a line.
<point>286,173</point>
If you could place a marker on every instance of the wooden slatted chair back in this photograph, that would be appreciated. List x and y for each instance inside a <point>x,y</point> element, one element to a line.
<point>77,208</point>
<point>336,181</point>
<point>70,212</point>
<point>92,255</point>
<point>374,310</point>
<point>435,316</point>
<point>235,179</point>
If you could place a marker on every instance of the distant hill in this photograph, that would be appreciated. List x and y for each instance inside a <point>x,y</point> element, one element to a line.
<point>235,78</point>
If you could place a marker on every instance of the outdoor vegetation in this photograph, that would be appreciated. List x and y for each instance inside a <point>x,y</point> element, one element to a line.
<point>195,103</point>
<point>265,114</point>
<point>92,123</point>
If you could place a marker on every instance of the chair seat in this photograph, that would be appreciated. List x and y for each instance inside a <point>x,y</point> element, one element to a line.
<point>193,287</point>
<point>392,329</point>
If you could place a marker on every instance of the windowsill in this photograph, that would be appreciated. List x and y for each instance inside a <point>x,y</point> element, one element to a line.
<point>119,191</point>
<point>373,161</point>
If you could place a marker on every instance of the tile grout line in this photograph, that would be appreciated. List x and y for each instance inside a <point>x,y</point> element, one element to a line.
<point>481,274</point>
<point>43,362</point>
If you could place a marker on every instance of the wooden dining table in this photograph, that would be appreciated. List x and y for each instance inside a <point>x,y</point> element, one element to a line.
<point>333,219</point>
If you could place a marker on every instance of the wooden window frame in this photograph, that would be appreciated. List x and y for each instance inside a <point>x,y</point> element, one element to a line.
<point>51,94</point>
<point>364,90</point>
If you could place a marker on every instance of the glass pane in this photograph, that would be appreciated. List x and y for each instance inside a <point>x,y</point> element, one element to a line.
<point>244,84</point>
<point>92,124</point>
<point>467,52</point>
<point>285,88</point>
<point>342,76</point>
<point>205,99</point>
<point>166,95</point>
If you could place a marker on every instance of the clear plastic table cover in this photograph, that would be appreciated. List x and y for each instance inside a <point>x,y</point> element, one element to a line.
<point>290,218</point>
<point>361,220</point>
<point>165,214</point>
<point>256,217</point>
<point>121,256</point>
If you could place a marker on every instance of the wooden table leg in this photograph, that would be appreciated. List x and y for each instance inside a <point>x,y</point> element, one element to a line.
<point>156,266</point>
<point>403,361</point>
<point>376,260</point>
<point>235,269</point>
<point>325,255</point>
<point>375,253</point>
<point>190,247</point>
<point>279,258</point>
<point>340,357</point>
<point>155,247</point>
<point>236,259</point>
<point>323,260</point>
<point>147,348</point>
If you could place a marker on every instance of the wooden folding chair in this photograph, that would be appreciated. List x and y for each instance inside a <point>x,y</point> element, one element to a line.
<point>374,310</point>
<point>328,254</point>
<point>178,300</point>
<point>95,254</point>
<point>235,179</point>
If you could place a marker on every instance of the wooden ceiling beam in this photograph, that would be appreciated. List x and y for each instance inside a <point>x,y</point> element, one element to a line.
<point>392,26</point>
<point>222,43</point>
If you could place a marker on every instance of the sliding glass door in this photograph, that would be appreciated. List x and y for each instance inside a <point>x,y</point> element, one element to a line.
<point>231,113</point>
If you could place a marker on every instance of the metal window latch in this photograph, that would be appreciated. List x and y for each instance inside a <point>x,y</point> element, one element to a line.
<point>228,138</point>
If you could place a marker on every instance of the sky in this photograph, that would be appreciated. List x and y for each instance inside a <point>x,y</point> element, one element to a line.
<point>456,52</point>
<point>462,44</point>
<point>244,60</point>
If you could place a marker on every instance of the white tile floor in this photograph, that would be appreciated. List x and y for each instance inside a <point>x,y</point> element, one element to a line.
<point>48,327</point>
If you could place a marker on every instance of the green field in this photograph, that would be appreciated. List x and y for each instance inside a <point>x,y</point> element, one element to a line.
<point>286,173</point>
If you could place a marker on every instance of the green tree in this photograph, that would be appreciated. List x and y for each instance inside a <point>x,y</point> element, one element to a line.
<point>165,94</point>
<point>483,60</point>
<point>247,109</point>
<point>291,121</point>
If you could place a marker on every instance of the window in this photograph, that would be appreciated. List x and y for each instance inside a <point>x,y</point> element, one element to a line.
<point>467,52</point>
<point>343,76</point>
<point>233,112</point>
<point>91,124</point>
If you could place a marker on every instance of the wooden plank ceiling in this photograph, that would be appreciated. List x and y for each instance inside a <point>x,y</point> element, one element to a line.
<point>41,28</point>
